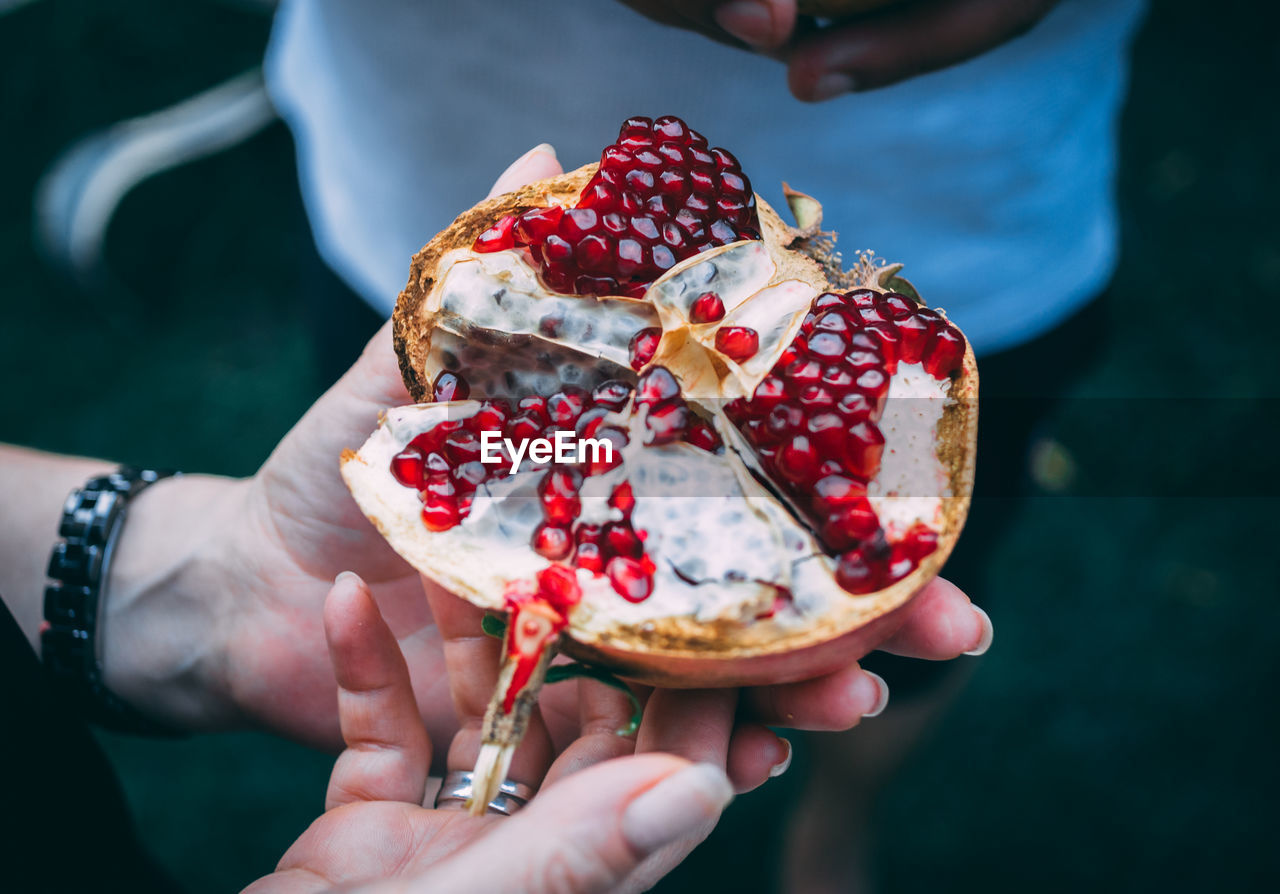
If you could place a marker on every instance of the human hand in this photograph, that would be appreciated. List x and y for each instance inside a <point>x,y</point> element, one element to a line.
<point>858,53</point>
<point>616,825</point>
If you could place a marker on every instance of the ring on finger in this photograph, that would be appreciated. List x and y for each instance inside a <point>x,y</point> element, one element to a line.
<point>455,792</point>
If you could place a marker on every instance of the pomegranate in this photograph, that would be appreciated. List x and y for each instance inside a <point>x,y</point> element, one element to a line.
<point>774,454</point>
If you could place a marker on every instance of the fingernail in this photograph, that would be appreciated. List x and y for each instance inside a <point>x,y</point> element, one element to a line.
<point>883,701</point>
<point>781,766</point>
<point>545,148</point>
<point>678,806</point>
<point>988,634</point>
<point>748,20</point>
<point>347,576</point>
<point>832,84</point>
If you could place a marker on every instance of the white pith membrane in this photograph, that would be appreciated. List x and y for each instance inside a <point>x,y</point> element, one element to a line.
<point>721,542</point>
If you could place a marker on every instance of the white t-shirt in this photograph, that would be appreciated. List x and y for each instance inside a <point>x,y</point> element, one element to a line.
<point>991,180</point>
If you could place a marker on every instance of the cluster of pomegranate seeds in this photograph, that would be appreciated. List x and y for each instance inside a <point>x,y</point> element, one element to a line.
<point>660,195</point>
<point>443,465</point>
<point>667,416</point>
<point>813,421</point>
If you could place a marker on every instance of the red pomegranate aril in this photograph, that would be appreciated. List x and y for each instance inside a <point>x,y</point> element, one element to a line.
<point>523,427</point>
<point>593,253</point>
<point>783,420</point>
<point>440,515</point>
<point>406,466</point>
<point>863,449</point>
<point>566,405</point>
<point>560,509</point>
<point>875,385</point>
<point>827,345</point>
<point>899,566</point>
<point>920,541</point>
<point>663,257</point>
<point>835,491</point>
<point>946,354</point>
<point>601,461</point>
<point>600,197</point>
<point>837,378</point>
<point>674,154</point>
<point>613,223</point>
<point>644,344</point>
<point>612,394</point>
<point>827,431</point>
<point>450,386</point>
<point>461,447</point>
<point>588,555</point>
<point>798,460</point>
<point>916,335</point>
<point>803,373</point>
<point>590,421</point>
<point>835,321</point>
<point>556,250</point>
<point>552,541</point>
<point>629,578</point>
<point>577,223</point>
<point>900,306</point>
<point>628,256</point>
<point>499,237</point>
<point>889,338</point>
<point>814,398</point>
<point>706,308</point>
<point>623,499</point>
<point>768,393</point>
<point>701,434</point>
<point>666,423</point>
<point>669,127</point>
<point>738,343</point>
<point>491,416</point>
<point>436,463</point>
<point>857,574</point>
<point>656,385</point>
<point>440,485</point>
<point>536,224</point>
<point>620,540</point>
<point>849,525</point>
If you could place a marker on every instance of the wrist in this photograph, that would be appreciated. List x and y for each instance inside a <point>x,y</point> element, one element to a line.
<point>166,614</point>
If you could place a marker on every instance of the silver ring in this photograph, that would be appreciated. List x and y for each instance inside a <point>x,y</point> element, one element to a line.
<point>456,789</point>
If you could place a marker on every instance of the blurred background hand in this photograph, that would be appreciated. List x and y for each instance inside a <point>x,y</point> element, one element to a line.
<point>883,43</point>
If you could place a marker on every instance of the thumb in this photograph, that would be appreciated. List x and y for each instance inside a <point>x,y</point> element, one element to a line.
<point>538,163</point>
<point>595,831</point>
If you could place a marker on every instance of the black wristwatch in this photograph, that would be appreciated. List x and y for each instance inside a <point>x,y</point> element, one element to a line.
<point>91,521</point>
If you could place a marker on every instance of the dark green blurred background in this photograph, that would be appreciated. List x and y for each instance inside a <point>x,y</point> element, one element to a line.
<point>1120,734</point>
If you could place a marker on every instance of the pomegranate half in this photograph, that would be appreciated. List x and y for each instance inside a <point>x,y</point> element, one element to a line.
<point>794,442</point>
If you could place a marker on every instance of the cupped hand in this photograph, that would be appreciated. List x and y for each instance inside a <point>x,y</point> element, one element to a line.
<point>616,825</point>
<point>874,49</point>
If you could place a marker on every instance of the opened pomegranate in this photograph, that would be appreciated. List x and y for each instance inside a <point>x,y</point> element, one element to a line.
<point>774,454</point>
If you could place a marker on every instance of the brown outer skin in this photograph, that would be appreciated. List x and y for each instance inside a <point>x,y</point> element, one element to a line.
<point>680,652</point>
